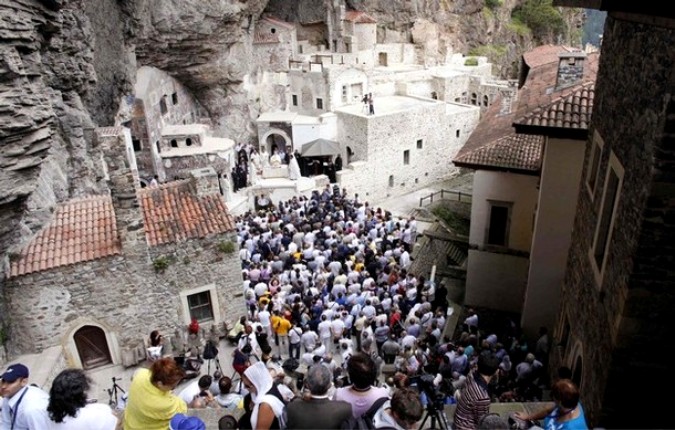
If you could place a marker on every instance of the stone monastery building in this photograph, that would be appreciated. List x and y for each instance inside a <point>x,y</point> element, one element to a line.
<point>423,113</point>
<point>107,266</point>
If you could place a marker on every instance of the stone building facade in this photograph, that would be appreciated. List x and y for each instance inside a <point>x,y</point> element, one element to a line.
<point>616,318</point>
<point>407,144</point>
<point>111,268</point>
<point>274,44</point>
<point>159,100</point>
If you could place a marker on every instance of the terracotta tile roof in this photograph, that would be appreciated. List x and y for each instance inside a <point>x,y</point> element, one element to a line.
<point>277,21</point>
<point>514,152</point>
<point>546,54</point>
<point>82,230</point>
<point>538,98</point>
<point>173,212</point>
<point>109,131</point>
<point>359,17</point>
<point>572,111</point>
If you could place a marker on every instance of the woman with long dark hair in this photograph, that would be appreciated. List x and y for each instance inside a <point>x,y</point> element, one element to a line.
<point>68,407</point>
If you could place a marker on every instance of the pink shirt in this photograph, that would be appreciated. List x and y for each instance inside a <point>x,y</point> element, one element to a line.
<point>360,400</point>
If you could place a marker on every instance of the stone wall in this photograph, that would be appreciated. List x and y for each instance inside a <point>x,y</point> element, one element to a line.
<point>381,141</point>
<point>180,167</point>
<point>273,55</point>
<point>126,294</point>
<point>620,319</point>
<point>152,86</point>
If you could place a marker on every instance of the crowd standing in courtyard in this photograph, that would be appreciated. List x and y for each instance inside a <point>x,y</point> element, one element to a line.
<point>331,300</point>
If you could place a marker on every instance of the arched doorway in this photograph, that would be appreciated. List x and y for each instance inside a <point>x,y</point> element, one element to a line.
<point>92,347</point>
<point>275,142</point>
<point>350,155</point>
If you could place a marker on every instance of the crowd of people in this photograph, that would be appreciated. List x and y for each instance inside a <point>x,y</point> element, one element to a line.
<point>338,328</point>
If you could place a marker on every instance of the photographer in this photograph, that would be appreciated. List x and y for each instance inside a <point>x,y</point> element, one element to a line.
<point>197,394</point>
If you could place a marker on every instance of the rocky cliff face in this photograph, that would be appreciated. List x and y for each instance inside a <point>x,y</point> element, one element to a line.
<point>65,65</point>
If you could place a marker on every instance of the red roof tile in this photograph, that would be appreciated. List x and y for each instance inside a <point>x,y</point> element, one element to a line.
<point>75,234</point>
<point>572,111</point>
<point>546,54</point>
<point>173,212</point>
<point>514,152</point>
<point>359,17</point>
<point>277,21</point>
<point>540,101</point>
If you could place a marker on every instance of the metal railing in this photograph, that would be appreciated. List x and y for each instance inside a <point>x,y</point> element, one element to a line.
<point>458,196</point>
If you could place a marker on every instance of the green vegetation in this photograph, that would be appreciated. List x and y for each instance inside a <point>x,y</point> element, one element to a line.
<point>518,27</point>
<point>471,61</point>
<point>161,263</point>
<point>493,4</point>
<point>541,17</point>
<point>226,247</point>
<point>4,334</point>
<point>495,53</point>
<point>457,223</point>
<point>488,14</point>
<point>4,337</point>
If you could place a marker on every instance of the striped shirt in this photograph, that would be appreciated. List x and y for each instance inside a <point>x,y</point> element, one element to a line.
<point>473,403</point>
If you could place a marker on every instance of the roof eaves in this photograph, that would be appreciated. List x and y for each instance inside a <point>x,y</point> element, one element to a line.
<point>552,132</point>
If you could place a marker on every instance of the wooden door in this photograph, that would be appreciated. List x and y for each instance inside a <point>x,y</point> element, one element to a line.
<point>92,347</point>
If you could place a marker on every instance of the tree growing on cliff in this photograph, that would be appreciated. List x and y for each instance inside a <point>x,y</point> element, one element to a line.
<point>541,17</point>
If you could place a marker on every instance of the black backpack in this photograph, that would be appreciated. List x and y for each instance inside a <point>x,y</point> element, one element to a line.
<point>210,350</point>
<point>365,421</point>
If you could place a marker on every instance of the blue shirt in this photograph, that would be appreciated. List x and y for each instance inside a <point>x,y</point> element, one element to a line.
<point>578,423</point>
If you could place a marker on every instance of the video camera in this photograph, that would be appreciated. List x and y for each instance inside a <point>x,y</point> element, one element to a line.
<point>425,384</point>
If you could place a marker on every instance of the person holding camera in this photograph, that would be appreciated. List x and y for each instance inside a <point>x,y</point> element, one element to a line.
<point>474,398</point>
<point>197,393</point>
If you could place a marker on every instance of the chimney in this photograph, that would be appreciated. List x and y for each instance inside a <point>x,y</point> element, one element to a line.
<point>122,181</point>
<point>205,181</point>
<point>570,69</point>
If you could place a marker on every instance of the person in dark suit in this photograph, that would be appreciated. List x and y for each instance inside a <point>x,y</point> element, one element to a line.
<point>317,411</point>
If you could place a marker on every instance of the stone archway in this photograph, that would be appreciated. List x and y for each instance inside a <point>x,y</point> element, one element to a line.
<point>89,344</point>
<point>275,137</point>
<point>92,347</point>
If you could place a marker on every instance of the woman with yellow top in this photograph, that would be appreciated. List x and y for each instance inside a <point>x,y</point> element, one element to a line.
<point>152,403</point>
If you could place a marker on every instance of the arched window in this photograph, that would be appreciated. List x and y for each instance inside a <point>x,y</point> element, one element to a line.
<point>391,181</point>
<point>486,100</point>
<point>174,143</point>
<point>188,141</point>
<point>474,99</point>
<point>159,148</point>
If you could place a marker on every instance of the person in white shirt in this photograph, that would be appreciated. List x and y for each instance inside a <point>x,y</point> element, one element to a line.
<point>309,339</point>
<point>325,333</point>
<point>68,408</point>
<point>24,407</point>
<point>195,389</point>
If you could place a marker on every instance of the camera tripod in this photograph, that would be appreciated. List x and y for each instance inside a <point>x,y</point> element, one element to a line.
<point>437,415</point>
<point>114,393</point>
